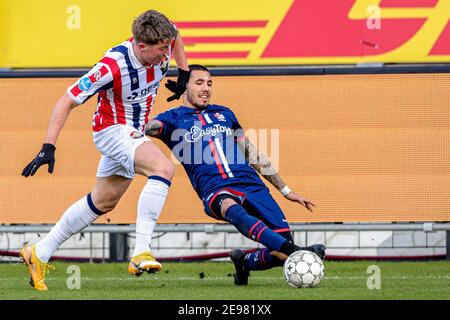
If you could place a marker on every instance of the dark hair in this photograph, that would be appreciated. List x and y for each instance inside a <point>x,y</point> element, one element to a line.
<point>197,67</point>
<point>151,27</point>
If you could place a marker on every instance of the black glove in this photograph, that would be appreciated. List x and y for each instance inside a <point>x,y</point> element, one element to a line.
<point>178,87</point>
<point>46,155</point>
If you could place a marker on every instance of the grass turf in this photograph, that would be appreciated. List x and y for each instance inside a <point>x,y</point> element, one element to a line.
<point>213,281</point>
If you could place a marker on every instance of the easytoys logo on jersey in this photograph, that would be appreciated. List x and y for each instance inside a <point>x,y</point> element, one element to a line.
<point>222,145</point>
<point>195,133</point>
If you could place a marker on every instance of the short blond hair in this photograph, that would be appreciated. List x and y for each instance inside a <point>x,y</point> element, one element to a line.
<point>151,27</point>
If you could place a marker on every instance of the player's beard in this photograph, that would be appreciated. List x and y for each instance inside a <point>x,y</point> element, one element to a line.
<point>194,100</point>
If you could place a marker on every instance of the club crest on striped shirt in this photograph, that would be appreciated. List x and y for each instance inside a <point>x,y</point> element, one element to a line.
<point>136,135</point>
<point>219,116</point>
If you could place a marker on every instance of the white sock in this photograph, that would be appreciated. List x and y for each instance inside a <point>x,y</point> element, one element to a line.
<point>151,202</point>
<point>77,217</point>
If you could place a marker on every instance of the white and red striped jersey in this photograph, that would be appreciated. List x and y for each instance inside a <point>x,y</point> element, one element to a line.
<point>126,88</point>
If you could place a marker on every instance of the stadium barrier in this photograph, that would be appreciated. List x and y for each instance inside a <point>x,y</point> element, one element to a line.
<point>115,245</point>
<point>214,228</point>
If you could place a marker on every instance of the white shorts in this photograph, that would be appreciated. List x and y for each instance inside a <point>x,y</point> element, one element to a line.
<point>118,145</point>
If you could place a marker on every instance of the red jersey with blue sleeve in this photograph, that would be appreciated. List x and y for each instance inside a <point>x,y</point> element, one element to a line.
<point>126,88</point>
<point>205,143</point>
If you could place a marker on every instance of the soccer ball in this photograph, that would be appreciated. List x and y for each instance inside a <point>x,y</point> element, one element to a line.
<point>303,269</point>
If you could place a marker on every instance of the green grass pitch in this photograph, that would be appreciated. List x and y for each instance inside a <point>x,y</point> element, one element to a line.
<point>213,281</point>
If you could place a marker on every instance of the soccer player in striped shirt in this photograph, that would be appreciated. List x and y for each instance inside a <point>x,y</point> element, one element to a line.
<point>126,80</point>
<point>223,166</point>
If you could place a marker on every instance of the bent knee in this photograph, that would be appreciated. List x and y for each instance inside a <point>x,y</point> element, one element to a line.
<point>225,205</point>
<point>106,200</point>
<point>165,169</point>
<point>108,206</point>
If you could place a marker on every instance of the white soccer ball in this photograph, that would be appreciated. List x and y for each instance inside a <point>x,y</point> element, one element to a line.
<point>303,269</point>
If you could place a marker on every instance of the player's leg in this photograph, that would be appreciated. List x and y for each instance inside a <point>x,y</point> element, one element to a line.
<point>103,198</point>
<point>265,206</point>
<point>229,207</point>
<point>213,209</point>
<point>134,153</point>
<point>261,204</point>
<point>250,226</point>
<point>255,229</point>
<point>151,162</point>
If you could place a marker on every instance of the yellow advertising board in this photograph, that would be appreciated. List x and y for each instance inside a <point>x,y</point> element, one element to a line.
<point>76,33</point>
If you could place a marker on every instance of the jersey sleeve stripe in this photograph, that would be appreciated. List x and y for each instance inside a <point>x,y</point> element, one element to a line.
<point>75,91</point>
<point>99,74</point>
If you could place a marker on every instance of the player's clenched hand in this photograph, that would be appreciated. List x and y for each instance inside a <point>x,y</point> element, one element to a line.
<point>46,155</point>
<point>178,87</point>
<point>298,198</point>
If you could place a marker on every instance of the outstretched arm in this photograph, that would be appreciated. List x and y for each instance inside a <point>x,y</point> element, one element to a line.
<point>264,167</point>
<point>59,116</point>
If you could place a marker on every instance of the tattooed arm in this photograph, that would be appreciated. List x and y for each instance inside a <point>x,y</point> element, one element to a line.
<point>261,163</point>
<point>264,167</point>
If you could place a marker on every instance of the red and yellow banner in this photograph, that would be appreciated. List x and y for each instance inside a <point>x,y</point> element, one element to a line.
<point>62,33</point>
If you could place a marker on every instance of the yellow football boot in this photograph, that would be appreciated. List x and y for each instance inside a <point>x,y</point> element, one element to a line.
<point>143,262</point>
<point>36,268</point>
